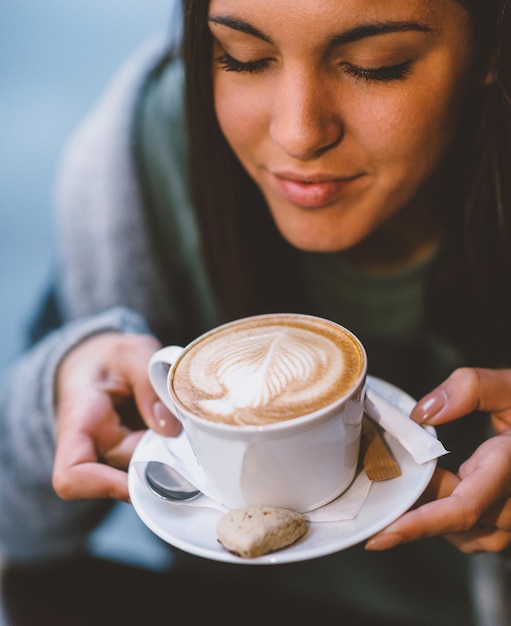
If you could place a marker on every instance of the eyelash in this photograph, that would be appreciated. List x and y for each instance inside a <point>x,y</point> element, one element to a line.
<point>230,64</point>
<point>383,74</point>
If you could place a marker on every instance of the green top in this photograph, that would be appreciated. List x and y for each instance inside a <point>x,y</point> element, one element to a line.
<point>424,583</point>
<point>387,312</point>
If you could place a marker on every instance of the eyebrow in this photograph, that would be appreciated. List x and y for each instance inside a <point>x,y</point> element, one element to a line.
<point>240,25</point>
<point>363,31</point>
<point>378,28</point>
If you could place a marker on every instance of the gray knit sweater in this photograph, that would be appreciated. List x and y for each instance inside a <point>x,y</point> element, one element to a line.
<point>105,273</point>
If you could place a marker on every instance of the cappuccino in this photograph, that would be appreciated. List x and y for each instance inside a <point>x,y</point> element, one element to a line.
<point>266,369</point>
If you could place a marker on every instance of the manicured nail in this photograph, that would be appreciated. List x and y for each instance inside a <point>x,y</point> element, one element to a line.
<point>385,541</point>
<point>428,410</point>
<point>163,418</point>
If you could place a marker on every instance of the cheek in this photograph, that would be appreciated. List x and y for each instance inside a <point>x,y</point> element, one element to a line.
<point>407,135</point>
<point>241,116</point>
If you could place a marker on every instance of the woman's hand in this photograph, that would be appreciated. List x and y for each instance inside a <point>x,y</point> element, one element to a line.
<point>104,403</point>
<point>473,508</point>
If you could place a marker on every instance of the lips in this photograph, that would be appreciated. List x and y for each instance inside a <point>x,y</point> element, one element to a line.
<point>313,191</point>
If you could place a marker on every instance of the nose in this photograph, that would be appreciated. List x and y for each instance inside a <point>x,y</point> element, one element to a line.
<point>304,120</point>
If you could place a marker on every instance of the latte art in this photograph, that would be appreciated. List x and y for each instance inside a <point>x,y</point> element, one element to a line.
<point>262,368</point>
<point>255,372</point>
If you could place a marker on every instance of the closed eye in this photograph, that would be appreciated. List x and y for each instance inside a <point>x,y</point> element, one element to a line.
<point>230,64</point>
<point>385,73</point>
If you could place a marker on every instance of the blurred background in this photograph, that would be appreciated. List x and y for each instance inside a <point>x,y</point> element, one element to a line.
<point>56,57</point>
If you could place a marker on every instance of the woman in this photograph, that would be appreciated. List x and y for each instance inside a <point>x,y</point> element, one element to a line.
<point>346,159</point>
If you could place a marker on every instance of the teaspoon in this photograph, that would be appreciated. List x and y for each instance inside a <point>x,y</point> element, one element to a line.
<point>168,483</point>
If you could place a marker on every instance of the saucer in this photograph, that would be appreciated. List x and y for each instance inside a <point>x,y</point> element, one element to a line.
<point>193,529</point>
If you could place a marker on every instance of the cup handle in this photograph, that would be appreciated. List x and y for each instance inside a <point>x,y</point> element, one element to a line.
<point>158,373</point>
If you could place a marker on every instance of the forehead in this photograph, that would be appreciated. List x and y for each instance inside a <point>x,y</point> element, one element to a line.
<point>310,26</point>
<point>311,29</point>
<point>313,17</point>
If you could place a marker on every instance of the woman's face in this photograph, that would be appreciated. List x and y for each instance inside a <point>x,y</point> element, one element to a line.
<point>339,110</point>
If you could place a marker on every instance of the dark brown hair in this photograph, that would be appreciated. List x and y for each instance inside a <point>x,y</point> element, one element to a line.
<point>251,265</point>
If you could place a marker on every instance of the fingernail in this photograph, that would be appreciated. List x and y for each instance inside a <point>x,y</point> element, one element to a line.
<point>384,541</point>
<point>429,409</point>
<point>163,418</point>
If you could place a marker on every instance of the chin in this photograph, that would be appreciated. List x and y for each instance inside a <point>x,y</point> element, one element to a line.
<point>322,230</point>
<point>325,243</point>
<point>311,238</point>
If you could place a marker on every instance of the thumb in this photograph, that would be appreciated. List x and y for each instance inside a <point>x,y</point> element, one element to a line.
<point>163,421</point>
<point>465,391</point>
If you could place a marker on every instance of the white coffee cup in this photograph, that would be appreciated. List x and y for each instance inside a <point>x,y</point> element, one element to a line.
<point>272,407</point>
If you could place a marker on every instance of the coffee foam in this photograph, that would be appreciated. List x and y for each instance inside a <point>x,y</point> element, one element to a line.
<point>267,369</point>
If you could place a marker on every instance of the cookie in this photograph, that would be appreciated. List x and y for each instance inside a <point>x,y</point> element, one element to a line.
<point>257,530</point>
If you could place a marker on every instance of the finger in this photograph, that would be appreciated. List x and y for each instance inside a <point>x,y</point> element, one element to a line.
<point>465,391</point>
<point>133,366</point>
<point>493,533</point>
<point>77,474</point>
<point>461,506</point>
<point>120,455</point>
<point>89,428</point>
<point>441,485</point>
<point>481,540</point>
<point>160,419</point>
<point>458,505</point>
<point>116,364</point>
<point>486,475</point>
<point>91,480</point>
<point>85,433</point>
<point>499,516</point>
<point>96,378</point>
<point>452,515</point>
<point>430,520</point>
